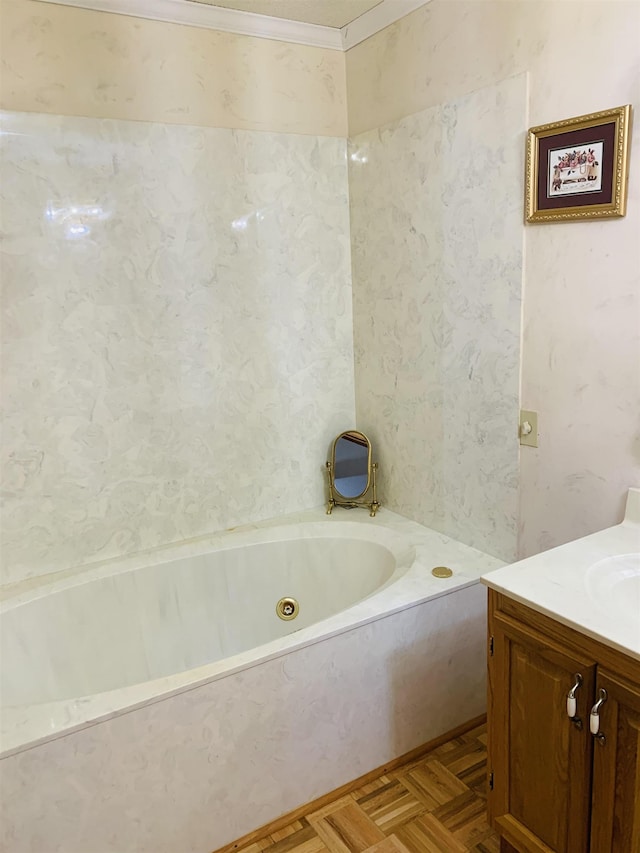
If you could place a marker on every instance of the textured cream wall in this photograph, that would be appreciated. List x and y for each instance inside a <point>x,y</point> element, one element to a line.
<point>68,61</point>
<point>181,232</point>
<point>581,324</point>
<point>580,55</point>
<point>581,315</point>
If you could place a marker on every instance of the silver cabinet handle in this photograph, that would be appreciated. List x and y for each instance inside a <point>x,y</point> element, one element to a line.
<point>594,717</point>
<point>571,697</point>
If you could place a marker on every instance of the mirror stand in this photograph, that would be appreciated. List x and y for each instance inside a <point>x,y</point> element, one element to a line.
<point>352,474</point>
<point>336,499</point>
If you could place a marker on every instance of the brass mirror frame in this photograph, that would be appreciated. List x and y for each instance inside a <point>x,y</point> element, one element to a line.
<point>336,498</point>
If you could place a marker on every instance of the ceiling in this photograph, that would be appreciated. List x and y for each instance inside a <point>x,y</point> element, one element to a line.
<point>326,13</point>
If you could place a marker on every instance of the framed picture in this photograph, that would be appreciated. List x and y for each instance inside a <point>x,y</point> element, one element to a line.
<point>577,168</point>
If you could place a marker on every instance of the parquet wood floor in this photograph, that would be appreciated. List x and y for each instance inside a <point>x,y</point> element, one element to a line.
<point>436,804</point>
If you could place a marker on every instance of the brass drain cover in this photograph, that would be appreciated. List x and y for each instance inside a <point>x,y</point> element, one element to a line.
<point>287,608</point>
<point>441,572</point>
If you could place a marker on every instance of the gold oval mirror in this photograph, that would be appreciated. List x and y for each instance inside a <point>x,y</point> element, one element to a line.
<point>351,457</point>
<point>352,474</point>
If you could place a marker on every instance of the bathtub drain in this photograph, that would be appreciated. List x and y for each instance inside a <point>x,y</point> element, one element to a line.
<point>287,608</point>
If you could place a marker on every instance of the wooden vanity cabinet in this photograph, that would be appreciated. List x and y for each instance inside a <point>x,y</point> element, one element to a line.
<point>553,786</point>
<point>615,825</point>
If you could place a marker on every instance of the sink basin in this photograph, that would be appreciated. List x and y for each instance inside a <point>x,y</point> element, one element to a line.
<point>614,584</point>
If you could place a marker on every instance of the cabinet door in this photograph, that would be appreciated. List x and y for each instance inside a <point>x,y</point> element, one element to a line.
<point>540,759</point>
<point>615,813</point>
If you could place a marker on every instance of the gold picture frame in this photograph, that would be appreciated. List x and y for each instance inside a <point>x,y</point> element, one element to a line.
<point>578,168</point>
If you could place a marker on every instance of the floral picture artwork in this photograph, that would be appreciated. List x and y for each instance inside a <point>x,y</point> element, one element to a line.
<point>577,171</point>
<point>577,168</point>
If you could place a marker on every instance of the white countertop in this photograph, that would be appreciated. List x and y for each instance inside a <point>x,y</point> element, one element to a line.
<point>592,584</point>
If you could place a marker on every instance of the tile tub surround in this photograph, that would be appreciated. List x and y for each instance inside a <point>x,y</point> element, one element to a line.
<point>177,332</point>
<point>436,224</point>
<point>176,773</point>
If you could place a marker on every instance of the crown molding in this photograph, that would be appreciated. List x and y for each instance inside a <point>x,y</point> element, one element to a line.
<point>192,14</point>
<point>376,19</point>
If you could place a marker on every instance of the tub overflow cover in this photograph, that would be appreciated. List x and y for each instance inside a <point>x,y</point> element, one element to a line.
<point>441,572</point>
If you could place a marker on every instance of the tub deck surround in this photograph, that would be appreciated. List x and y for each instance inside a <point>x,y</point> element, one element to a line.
<point>396,557</point>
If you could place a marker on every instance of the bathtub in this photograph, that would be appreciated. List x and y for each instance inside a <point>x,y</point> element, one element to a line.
<point>160,703</point>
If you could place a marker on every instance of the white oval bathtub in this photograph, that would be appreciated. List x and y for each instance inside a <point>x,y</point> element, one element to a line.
<point>99,633</point>
<point>148,701</point>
